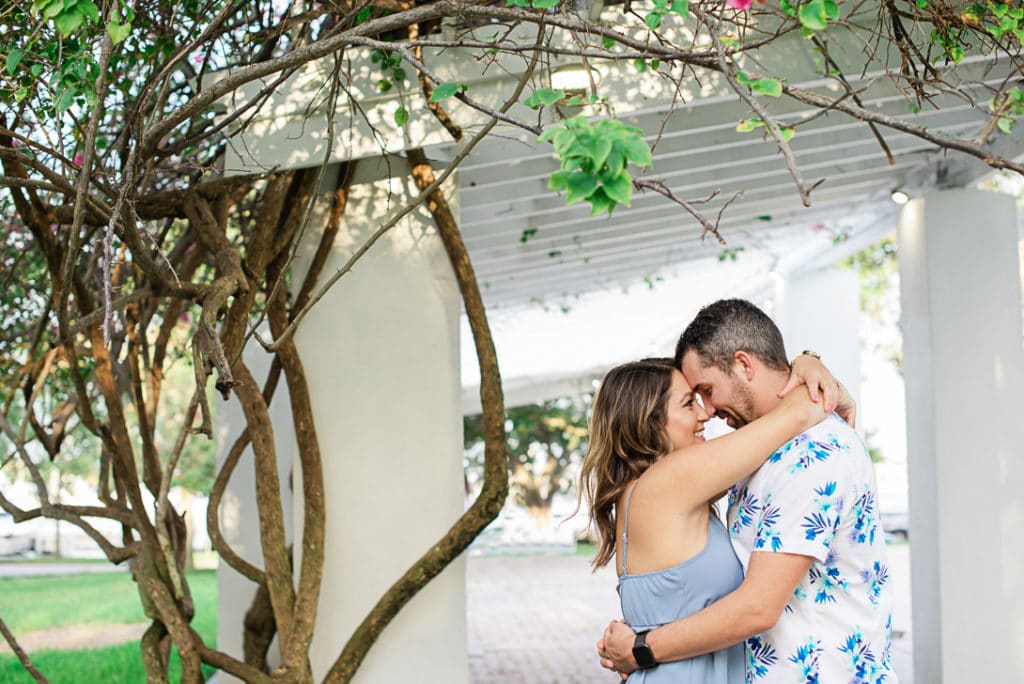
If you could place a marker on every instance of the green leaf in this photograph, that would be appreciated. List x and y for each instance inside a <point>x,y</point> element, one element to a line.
<point>640,65</point>
<point>831,10</point>
<point>579,186</point>
<point>619,188</point>
<point>637,150</point>
<point>118,31</point>
<point>545,4</point>
<point>401,116</point>
<point>52,8</point>
<point>741,77</point>
<point>608,43</point>
<point>599,152</point>
<point>559,180</point>
<point>444,91</point>
<point>681,7</point>
<point>64,101</point>
<point>90,10</point>
<point>544,97</point>
<point>1005,124</point>
<point>13,60</point>
<point>363,16</point>
<point>653,20</point>
<point>764,217</point>
<point>68,22</point>
<point>600,203</point>
<point>787,8</point>
<point>813,15</point>
<point>747,125</point>
<point>767,86</point>
<point>787,133</point>
<point>384,85</point>
<point>549,134</point>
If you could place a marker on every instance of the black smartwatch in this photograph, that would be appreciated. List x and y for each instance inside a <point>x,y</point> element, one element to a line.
<point>642,652</point>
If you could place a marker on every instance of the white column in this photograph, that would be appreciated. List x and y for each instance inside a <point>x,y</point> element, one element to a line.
<point>964,371</point>
<point>821,311</point>
<point>381,353</point>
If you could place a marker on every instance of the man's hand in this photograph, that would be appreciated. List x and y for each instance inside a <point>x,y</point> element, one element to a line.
<point>820,382</point>
<point>616,648</point>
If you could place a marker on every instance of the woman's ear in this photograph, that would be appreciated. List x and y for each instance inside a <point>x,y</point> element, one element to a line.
<point>743,365</point>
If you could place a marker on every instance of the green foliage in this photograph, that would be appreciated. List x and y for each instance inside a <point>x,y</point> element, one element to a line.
<point>594,161</point>
<point>730,253</point>
<point>1009,108</point>
<point>814,15</point>
<point>753,123</point>
<point>544,97</point>
<point>654,18</point>
<point>546,443</point>
<point>401,116</point>
<point>392,73</point>
<point>762,86</point>
<point>446,90</point>
<point>878,268</point>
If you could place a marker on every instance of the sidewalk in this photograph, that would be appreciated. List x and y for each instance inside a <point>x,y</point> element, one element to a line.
<point>537,618</point>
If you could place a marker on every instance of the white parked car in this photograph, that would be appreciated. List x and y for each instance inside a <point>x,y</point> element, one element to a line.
<point>6,525</point>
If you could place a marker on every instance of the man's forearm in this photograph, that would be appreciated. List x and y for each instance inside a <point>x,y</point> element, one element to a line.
<point>728,621</point>
<point>753,608</point>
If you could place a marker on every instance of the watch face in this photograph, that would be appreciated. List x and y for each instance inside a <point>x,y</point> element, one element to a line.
<point>642,652</point>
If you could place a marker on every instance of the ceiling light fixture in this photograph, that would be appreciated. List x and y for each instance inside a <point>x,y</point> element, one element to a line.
<point>900,197</point>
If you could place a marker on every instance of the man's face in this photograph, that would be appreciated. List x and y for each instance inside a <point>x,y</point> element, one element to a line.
<point>724,394</point>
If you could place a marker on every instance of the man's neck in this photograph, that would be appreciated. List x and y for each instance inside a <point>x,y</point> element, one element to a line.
<point>766,394</point>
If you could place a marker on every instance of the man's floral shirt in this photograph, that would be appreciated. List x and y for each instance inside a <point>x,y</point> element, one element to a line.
<point>816,496</point>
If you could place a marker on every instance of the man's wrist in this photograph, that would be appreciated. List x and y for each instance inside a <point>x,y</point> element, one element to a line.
<point>806,352</point>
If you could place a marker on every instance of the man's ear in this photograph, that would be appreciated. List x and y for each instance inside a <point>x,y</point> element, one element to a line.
<point>743,365</point>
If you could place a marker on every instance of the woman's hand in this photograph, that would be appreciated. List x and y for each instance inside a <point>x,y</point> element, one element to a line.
<point>821,385</point>
<point>807,412</point>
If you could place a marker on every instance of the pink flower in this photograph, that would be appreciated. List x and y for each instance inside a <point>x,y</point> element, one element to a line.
<point>742,5</point>
<point>78,160</point>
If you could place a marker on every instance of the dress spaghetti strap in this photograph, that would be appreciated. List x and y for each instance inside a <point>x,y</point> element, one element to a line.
<point>625,525</point>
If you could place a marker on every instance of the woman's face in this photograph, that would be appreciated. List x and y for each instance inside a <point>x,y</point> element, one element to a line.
<point>684,416</point>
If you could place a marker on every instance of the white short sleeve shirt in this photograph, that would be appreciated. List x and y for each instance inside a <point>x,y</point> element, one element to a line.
<point>816,496</point>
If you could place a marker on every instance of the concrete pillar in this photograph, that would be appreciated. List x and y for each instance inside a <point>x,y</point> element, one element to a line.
<point>821,311</point>
<point>381,353</point>
<point>964,370</point>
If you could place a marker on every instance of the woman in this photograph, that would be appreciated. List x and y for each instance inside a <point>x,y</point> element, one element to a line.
<point>648,459</point>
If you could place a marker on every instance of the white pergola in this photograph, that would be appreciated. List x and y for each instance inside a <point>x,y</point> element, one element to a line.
<point>542,267</point>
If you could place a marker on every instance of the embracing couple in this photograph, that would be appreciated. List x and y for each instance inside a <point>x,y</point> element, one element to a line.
<point>794,588</point>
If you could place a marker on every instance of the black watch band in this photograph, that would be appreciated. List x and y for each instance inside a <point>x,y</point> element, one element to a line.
<point>642,653</point>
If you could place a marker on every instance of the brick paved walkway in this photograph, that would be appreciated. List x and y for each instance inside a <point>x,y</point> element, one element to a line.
<point>535,619</point>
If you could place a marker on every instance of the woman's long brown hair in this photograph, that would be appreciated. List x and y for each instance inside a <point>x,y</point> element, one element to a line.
<point>627,435</point>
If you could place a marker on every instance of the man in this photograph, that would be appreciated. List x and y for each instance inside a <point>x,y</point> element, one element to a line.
<point>815,604</point>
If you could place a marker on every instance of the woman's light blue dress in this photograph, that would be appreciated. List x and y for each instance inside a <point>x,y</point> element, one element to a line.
<point>652,599</point>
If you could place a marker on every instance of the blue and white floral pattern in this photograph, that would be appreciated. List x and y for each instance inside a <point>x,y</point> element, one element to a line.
<point>816,497</point>
<point>760,658</point>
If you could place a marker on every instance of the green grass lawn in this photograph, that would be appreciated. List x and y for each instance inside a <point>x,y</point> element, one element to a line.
<point>34,603</point>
